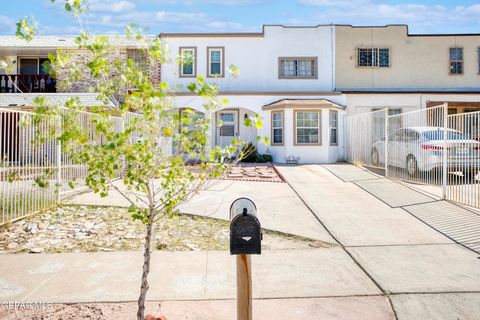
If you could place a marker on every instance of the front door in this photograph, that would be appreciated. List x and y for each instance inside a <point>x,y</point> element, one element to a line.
<point>227,127</point>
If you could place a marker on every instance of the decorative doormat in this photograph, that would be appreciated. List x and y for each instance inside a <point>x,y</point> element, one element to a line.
<point>260,172</point>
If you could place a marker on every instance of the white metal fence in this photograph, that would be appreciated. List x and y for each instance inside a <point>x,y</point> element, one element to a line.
<point>22,163</point>
<point>27,162</point>
<point>362,132</point>
<point>426,146</point>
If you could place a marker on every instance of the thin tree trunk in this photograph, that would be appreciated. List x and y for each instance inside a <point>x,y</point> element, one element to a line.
<point>146,270</point>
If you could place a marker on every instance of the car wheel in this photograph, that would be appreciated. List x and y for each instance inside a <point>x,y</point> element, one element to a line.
<point>375,157</point>
<point>412,167</point>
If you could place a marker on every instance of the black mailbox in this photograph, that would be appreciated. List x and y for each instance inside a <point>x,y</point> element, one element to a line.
<point>245,229</point>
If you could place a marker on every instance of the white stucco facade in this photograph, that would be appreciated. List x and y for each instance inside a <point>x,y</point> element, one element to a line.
<point>259,84</point>
<point>256,56</point>
<point>248,105</point>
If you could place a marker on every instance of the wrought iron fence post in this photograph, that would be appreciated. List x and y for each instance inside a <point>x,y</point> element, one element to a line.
<point>386,143</point>
<point>59,170</point>
<point>445,151</point>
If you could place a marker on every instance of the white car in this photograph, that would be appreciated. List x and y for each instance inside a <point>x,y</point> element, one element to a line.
<point>421,149</point>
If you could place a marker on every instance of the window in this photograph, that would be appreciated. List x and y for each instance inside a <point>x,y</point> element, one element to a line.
<point>456,60</point>
<point>228,124</point>
<point>188,62</point>
<point>215,61</point>
<point>297,68</point>
<point>307,128</point>
<point>277,128</point>
<point>333,128</point>
<point>190,126</point>
<point>139,59</point>
<point>190,120</point>
<point>478,59</point>
<point>373,57</point>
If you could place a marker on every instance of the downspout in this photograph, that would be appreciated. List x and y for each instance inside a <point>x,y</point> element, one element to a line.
<point>333,53</point>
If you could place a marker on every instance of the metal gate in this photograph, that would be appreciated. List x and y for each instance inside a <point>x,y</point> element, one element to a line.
<point>425,146</point>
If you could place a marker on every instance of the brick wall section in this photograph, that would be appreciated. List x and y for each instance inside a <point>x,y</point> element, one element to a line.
<point>86,84</point>
<point>80,57</point>
<point>154,72</point>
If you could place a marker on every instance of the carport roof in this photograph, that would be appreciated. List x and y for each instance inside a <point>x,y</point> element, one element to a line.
<point>302,103</point>
<point>57,99</point>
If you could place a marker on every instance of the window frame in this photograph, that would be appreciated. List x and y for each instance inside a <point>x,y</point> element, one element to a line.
<point>332,112</point>
<point>180,114</point>
<point>141,65</point>
<point>478,59</point>
<point>378,66</point>
<point>295,128</point>
<point>273,127</point>
<point>456,61</point>
<point>315,69</point>
<point>222,62</point>
<point>194,62</point>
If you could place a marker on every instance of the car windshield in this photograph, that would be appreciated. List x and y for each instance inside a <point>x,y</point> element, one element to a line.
<point>438,135</point>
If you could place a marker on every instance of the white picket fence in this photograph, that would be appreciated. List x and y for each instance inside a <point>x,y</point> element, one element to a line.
<point>426,146</point>
<point>25,161</point>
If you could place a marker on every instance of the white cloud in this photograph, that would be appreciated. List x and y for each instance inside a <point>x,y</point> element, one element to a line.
<point>165,16</point>
<point>111,6</point>
<point>225,26</point>
<point>420,17</point>
<point>328,3</point>
<point>200,2</point>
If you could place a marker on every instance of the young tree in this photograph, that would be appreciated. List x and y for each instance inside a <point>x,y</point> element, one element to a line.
<point>133,138</point>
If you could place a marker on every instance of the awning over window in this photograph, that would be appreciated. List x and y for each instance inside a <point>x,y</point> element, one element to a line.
<point>302,103</point>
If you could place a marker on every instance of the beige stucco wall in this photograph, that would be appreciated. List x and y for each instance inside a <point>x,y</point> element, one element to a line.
<point>416,61</point>
<point>365,102</point>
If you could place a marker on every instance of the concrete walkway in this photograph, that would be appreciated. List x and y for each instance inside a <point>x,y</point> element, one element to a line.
<point>280,208</point>
<point>387,264</point>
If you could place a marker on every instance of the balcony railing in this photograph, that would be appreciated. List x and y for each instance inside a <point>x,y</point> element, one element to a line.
<point>21,83</point>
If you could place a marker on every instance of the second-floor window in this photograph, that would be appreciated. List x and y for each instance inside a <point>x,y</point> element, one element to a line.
<point>188,62</point>
<point>456,60</point>
<point>478,59</point>
<point>297,68</point>
<point>139,59</point>
<point>215,63</point>
<point>373,57</point>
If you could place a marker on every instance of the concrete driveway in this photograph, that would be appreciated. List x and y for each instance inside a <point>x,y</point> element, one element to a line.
<point>425,274</point>
<point>385,263</point>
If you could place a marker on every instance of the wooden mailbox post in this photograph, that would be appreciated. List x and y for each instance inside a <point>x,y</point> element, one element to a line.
<point>245,239</point>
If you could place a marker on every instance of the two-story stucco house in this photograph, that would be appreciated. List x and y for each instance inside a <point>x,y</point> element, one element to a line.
<point>286,76</point>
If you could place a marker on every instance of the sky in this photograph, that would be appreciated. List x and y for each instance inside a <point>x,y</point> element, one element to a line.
<point>157,16</point>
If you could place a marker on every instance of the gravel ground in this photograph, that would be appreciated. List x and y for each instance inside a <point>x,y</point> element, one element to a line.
<point>90,229</point>
<point>104,311</point>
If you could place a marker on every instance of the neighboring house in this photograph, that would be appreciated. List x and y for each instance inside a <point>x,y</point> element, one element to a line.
<point>301,80</point>
<point>385,66</point>
<point>30,79</point>
<point>28,58</point>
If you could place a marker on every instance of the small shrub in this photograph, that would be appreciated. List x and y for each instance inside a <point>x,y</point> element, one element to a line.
<point>262,158</point>
<point>251,155</point>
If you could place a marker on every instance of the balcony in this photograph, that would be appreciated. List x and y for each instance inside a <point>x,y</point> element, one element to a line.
<point>27,83</point>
